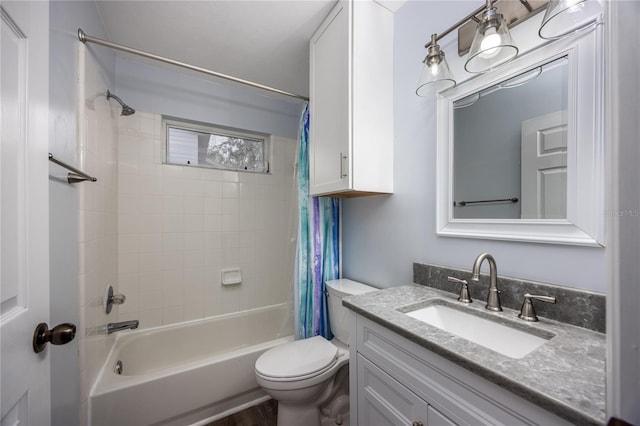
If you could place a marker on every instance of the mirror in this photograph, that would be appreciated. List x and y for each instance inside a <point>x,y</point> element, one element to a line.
<point>520,149</point>
<point>510,147</point>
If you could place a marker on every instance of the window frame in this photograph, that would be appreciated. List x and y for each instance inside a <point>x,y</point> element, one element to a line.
<point>218,130</point>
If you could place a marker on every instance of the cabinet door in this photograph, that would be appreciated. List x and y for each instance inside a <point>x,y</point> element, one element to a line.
<point>329,133</point>
<point>436,418</point>
<point>383,401</point>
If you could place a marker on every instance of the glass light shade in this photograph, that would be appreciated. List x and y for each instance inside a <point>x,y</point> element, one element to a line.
<point>435,76</point>
<point>492,45</point>
<point>564,17</point>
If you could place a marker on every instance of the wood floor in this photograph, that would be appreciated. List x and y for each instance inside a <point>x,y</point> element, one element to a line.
<point>264,414</point>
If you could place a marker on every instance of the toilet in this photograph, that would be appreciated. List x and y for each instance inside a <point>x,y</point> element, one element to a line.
<point>310,378</point>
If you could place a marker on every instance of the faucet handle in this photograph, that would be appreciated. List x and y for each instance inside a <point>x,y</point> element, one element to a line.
<point>527,312</point>
<point>111,299</point>
<point>464,297</point>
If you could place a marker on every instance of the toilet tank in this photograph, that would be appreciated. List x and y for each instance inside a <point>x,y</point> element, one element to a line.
<point>338,314</point>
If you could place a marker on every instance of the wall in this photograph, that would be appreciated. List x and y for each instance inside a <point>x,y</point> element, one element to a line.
<point>179,226</point>
<point>164,89</point>
<point>623,153</point>
<point>65,18</point>
<point>97,218</point>
<point>383,235</point>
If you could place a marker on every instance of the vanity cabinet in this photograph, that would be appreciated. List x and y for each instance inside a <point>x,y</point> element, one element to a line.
<point>384,401</point>
<point>351,101</point>
<point>394,381</point>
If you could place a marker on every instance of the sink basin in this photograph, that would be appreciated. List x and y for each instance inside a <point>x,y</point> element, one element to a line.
<point>500,338</point>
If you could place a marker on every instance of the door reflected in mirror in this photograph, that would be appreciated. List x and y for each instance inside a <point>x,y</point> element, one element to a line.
<point>510,147</point>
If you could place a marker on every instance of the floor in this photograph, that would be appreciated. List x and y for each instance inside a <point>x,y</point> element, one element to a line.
<point>264,414</point>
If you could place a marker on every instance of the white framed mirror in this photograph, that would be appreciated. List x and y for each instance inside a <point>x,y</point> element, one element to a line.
<point>520,149</point>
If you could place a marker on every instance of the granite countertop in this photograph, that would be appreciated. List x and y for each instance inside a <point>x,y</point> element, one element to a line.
<point>565,376</point>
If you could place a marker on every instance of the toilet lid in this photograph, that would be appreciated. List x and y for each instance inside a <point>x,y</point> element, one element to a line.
<point>299,358</point>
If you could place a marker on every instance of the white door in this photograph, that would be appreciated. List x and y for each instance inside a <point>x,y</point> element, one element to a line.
<point>544,167</point>
<point>24,231</point>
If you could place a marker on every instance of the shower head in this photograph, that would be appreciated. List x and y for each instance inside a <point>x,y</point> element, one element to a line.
<point>126,109</point>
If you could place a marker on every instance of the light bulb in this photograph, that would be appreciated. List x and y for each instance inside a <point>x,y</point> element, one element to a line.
<point>434,69</point>
<point>576,8</point>
<point>489,43</point>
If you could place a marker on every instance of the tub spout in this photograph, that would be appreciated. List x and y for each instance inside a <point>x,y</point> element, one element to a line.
<point>112,327</point>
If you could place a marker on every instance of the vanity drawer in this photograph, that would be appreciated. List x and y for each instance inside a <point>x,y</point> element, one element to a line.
<point>460,395</point>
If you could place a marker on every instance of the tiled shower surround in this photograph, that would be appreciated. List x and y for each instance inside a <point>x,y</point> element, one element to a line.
<point>97,221</point>
<point>180,226</point>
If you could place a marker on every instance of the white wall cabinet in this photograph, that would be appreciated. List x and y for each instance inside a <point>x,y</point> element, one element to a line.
<point>394,381</point>
<point>351,101</point>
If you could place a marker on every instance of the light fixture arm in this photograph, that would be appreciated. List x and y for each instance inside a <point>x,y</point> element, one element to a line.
<point>456,25</point>
<point>472,16</point>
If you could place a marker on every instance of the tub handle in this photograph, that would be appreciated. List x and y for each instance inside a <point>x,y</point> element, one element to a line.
<point>111,299</point>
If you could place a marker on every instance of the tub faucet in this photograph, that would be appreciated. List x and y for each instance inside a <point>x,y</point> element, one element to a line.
<point>493,298</point>
<point>112,327</point>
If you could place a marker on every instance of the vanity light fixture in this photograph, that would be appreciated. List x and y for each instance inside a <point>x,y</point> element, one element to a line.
<point>436,75</point>
<point>492,45</point>
<point>566,17</point>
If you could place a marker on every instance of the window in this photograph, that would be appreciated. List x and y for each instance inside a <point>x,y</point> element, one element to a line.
<point>205,145</point>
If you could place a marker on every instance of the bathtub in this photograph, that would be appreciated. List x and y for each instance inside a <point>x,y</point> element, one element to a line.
<point>187,373</point>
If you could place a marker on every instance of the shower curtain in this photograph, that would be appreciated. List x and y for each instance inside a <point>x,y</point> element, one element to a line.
<point>317,256</point>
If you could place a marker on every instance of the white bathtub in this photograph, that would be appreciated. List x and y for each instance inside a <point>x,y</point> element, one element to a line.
<point>185,373</point>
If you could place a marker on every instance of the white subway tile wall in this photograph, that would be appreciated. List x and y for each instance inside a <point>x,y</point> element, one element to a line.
<point>179,226</point>
<point>98,244</point>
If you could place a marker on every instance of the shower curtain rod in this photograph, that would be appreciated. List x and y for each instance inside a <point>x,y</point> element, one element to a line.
<point>84,38</point>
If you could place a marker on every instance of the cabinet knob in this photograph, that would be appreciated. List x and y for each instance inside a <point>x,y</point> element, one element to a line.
<point>417,424</point>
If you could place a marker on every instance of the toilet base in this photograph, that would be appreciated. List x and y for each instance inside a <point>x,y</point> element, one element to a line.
<point>330,408</point>
<point>296,415</point>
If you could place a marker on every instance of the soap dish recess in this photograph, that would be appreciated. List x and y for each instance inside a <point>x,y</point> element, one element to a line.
<point>231,276</point>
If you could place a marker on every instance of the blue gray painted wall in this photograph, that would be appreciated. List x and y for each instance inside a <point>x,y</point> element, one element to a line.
<point>384,235</point>
<point>165,89</point>
<point>65,18</point>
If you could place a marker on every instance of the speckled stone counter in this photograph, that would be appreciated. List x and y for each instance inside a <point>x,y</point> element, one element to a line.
<point>566,375</point>
<point>577,307</point>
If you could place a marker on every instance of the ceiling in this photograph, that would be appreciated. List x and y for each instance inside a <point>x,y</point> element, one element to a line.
<point>266,41</point>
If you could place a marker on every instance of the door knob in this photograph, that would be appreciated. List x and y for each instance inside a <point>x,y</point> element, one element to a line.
<point>59,335</point>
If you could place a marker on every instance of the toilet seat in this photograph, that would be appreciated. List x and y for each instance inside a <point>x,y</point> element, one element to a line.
<point>299,364</point>
<point>297,360</point>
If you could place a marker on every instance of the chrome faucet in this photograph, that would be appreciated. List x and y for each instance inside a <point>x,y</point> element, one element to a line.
<point>493,298</point>
<point>112,327</point>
